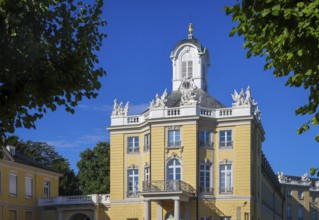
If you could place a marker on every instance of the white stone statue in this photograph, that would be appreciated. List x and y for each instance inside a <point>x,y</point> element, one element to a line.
<point>115,108</point>
<point>238,98</point>
<point>305,178</point>
<point>126,109</point>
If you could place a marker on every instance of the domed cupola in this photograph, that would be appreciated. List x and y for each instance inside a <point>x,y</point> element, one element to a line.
<point>190,61</point>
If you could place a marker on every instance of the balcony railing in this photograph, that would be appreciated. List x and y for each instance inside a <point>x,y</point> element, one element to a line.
<point>73,200</point>
<point>132,194</point>
<point>206,144</point>
<point>206,190</point>
<point>225,144</point>
<point>132,150</point>
<point>174,143</point>
<point>167,186</point>
<point>225,190</point>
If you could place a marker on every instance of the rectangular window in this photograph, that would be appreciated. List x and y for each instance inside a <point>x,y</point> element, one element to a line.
<point>147,142</point>
<point>190,69</point>
<point>28,215</point>
<point>225,179</point>
<point>174,138</point>
<point>147,174</point>
<point>13,215</point>
<point>300,195</point>
<point>13,187</point>
<point>225,218</point>
<point>132,183</point>
<point>47,189</point>
<point>289,211</point>
<point>28,187</point>
<point>205,138</point>
<point>133,145</point>
<point>205,178</point>
<point>300,212</point>
<point>225,139</point>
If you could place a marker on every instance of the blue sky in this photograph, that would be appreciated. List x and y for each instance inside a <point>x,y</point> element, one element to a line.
<point>141,35</point>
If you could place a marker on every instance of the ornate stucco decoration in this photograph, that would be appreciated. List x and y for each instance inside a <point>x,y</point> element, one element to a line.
<point>188,95</point>
<point>245,99</point>
<point>281,176</point>
<point>304,178</point>
<point>159,101</point>
<point>118,109</point>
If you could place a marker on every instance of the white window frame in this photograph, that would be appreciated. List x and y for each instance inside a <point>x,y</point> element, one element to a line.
<point>228,187</point>
<point>13,184</point>
<point>187,65</point>
<point>133,190</point>
<point>225,142</point>
<point>28,187</point>
<point>176,135</point>
<point>133,144</point>
<point>206,134</point>
<point>204,188</point>
<point>47,189</point>
<point>147,174</point>
<point>147,142</point>
<point>173,166</point>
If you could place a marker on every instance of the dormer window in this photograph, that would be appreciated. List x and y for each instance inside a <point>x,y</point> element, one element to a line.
<point>187,66</point>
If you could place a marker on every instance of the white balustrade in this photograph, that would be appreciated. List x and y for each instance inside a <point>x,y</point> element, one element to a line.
<point>73,200</point>
<point>186,110</point>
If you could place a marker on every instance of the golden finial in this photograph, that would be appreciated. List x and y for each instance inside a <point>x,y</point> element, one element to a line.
<point>190,30</point>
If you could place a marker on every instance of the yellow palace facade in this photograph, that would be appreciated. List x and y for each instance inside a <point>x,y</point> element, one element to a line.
<point>188,156</point>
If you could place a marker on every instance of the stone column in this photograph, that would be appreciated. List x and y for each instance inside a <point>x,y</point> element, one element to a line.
<point>147,210</point>
<point>159,211</point>
<point>177,209</point>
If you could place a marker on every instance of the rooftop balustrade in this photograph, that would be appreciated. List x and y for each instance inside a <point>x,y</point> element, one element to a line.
<point>193,110</point>
<point>75,200</point>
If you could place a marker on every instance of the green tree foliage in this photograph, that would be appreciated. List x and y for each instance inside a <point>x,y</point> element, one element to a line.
<point>286,32</point>
<point>48,58</point>
<point>46,155</point>
<point>94,169</point>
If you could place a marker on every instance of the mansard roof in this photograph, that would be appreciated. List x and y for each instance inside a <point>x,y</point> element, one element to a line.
<point>19,157</point>
<point>205,100</point>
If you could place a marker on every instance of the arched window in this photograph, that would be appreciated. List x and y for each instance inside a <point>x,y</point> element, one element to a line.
<point>174,170</point>
<point>187,65</point>
<point>300,212</point>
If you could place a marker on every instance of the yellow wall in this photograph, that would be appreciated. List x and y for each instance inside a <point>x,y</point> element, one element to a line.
<point>20,204</point>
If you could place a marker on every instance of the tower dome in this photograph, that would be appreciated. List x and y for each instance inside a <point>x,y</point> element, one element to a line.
<point>190,61</point>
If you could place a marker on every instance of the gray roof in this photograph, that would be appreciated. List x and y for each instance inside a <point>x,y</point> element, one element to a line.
<point>207,101</point>
<point>23,159</point>
<point>193,41</point>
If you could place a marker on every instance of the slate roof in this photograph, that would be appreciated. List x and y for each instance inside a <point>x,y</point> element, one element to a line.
<point>193,41</point>
<point>23,159</point>
<point>206,100</point>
